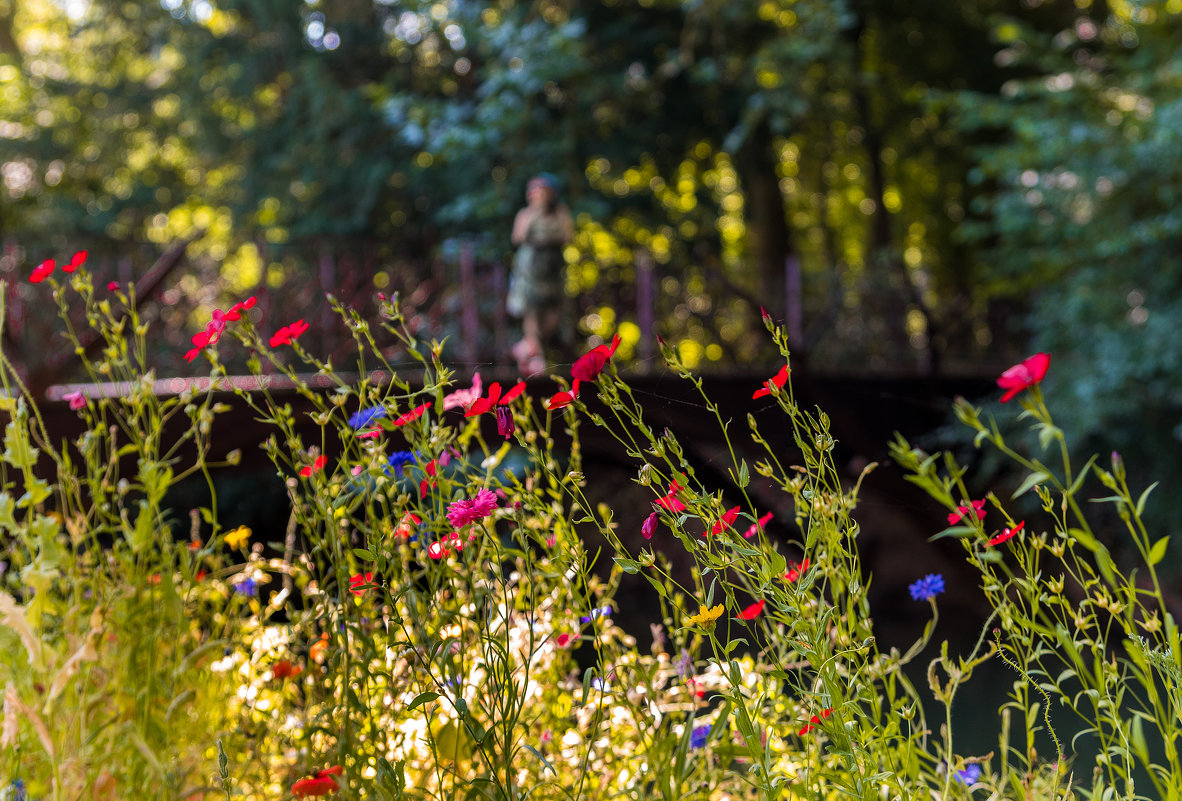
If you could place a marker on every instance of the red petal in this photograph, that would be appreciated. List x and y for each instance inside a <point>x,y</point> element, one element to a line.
<point>560,401</point>
<point>752,612</point>
<point>412,415</point>
<point>75,262</point>
<point>513,394</point>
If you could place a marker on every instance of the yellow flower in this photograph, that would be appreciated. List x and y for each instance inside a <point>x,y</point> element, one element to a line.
<point>238,537</point>
<point>706,616</point>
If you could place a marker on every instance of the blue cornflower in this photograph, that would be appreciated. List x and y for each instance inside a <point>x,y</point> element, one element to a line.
<point>927,587</point>
<point>400,458</point>
<point>699,736</point>
<point>15,791</point>
<point>247,586</point>
<point>365,417</point>
<point>600,612</point>
<point>969,775</point>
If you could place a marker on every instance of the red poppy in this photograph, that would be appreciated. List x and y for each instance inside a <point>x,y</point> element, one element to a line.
<point>796,571</point>
<point>588,366</point>
<point>563,399</point>
<point>778,381</point>
<point>815,721</point>
<point>75,262</point>
<point>42,271</point>
<point>752,612</point>
<point>671,503</point>
<point>1006,533</point>
<point>315,467</point>
<point>1023,376</point>
<point>727,520</point>
<point>361,582</point>
<point>284,669</point>
<point>322,783</point>
<point>977,507</point>
<point>412,415</point>
<point>482,405</point>
<point>287,334</point>
<point>757,526</point>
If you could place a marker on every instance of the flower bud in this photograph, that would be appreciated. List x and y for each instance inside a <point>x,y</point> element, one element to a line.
<point>649,527</point>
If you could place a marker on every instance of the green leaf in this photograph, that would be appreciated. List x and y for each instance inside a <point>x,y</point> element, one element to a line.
<point>744,474</point>
<point>1037,477</point>
<point>545,761</point>
<point>362,553</point>
<point>420,699</point>
<point>953,531</point>
<point>1144,497</point>
<point>7,505</point>
<point>1158,552</point>
<point>627,565</point>
<point>17,451</point>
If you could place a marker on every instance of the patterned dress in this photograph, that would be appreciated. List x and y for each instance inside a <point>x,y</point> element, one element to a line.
<point>536,282</point>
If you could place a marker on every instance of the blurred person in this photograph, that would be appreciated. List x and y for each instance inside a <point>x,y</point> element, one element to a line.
<point>536,285</point>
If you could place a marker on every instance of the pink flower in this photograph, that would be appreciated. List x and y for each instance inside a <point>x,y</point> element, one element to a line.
<point>463,398</point>
<point>752,612</point>
<point>976,506</point>
<point>462,512</point>
<point>361,582</point>
<point>588,366</point>
<point>1025,375</point>
<point>778,381</point>
<point>77,399</point>
<point>649,527</point>
<point>757,526</point>
<point>315,467</point>
<point>113,286</point>
<point>287,334</point>
<point>1007,533</point>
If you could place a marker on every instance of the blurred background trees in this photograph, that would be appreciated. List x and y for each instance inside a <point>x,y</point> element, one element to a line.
<point>914,186</point>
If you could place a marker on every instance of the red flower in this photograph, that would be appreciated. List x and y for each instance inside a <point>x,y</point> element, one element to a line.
<point>815,721</point>
<point>113,286</point>
<point>727,520</point>
<point>287,334</point>
<point>412,415</point>
<point>796,571</point>
<point>1023,376</point>
<point>1006,533</point>
<point>235,312</point>
<point>42,271</point>
<point>778,380</point>
<point>757,526</point>
<point>284,669</point>
<point>564,398</point>
<point>432,469</point>
<point>588,366</point>
<point>361,582</point>
<point>566,639</point>
<point>75,262</point>
<point>977,506</point>
<point>482,405</point>
<point>315,467</point>
<point>322,783</point>
<point>405,525</point>
<point>437,549</point>
<point>752,612</point>
<point>671,503</point>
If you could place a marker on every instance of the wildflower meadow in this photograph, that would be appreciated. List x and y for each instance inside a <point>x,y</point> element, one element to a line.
<point>435,625</point>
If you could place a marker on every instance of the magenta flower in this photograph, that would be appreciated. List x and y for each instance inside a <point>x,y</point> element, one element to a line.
<point>464,511</point>
<point>77,399</point>
<point>649,527</point>
<point>1023,376</point>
